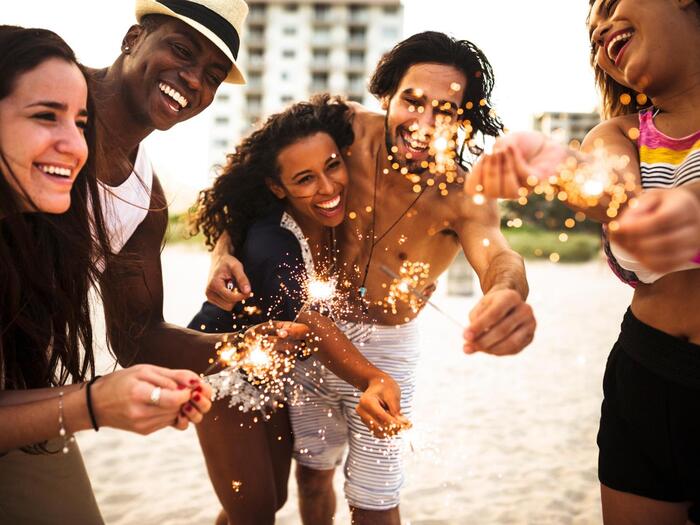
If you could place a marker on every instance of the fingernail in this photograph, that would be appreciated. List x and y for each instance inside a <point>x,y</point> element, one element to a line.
<point>469,335</point>
<point>188,408</point>
<point>193,382</point>
<point>180,387</point>
<point>198,389</point>
<point>196,397</point>
<point>245,288</point>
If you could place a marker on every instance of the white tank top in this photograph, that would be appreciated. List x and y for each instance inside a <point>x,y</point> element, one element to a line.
<point>125,206</point>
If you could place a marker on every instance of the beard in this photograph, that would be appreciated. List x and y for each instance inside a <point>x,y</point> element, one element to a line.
<point>413,166</point>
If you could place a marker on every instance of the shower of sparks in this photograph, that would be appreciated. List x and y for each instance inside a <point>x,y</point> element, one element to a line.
<point>404,288</point>
<point>412,276</point>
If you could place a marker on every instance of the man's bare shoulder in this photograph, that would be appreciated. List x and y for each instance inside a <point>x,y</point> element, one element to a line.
<point>365,122</point>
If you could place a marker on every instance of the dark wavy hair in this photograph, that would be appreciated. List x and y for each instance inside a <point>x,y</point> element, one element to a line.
<point>239,195</point>
<point>439,48</point>
<point>611,91</point>
<point>48,262</point>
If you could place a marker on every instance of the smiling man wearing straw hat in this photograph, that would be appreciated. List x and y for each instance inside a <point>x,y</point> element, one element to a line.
<point>170,66</point>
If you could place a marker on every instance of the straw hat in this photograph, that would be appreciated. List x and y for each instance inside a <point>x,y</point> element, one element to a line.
<point>221,21</point>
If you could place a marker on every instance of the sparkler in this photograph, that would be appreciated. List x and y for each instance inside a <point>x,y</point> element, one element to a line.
<point>407,285</point>
<point>321,294</point>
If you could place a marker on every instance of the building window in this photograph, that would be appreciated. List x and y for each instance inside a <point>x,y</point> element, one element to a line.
<point>357,34</point>
<point>257,9</point>
<point>221,121</point>
<point>391,9</point>
<point>288,53</point>
<point>290,8</point>
<point>221,143</point>
<point>254,103</point>
<point>284,75</point>
<point>357,12</point>
<point>223,97</point>
<point>289,30</point>
<point>322,11</point>
<point>256,31</point>
<point>319,82</point>
<point>286,99</point>
<point>357,58</point>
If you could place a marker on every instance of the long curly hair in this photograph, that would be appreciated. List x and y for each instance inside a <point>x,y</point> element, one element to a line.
<point>611,91</point>
<point>239,195</point>
<point>48,263</point>
<point>439,48</point>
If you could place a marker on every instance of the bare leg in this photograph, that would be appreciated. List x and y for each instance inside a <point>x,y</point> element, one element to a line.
<point>375,517</point>
<point>623,508</point>
<point>246,470</point>
<point>316,496</point>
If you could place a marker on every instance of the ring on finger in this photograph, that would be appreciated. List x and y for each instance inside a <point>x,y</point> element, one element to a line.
<point>155,396</point>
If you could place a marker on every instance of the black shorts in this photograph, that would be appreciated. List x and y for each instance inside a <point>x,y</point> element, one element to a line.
<point>649,437</point>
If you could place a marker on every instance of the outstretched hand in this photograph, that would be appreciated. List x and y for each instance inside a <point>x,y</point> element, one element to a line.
<point>518,162</point>
<point>662,231</point>
<point>502,323</point>
<point>379,408</point>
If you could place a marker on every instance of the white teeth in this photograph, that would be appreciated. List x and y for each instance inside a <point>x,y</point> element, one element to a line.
<point>413,143</point>
<point>55,170</point>
<point>622,36</point>
<point>329,204</point>
<point>174,94</point>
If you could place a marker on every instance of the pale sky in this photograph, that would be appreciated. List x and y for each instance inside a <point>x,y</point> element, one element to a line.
<point>538,49</point>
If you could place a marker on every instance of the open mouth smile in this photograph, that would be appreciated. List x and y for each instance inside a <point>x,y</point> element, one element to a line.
<point>616,45</point>
<point>176,101</point>
<point>330,207</point>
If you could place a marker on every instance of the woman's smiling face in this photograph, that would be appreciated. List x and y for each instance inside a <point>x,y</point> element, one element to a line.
<point>42,138</point>
<point>313,180</point>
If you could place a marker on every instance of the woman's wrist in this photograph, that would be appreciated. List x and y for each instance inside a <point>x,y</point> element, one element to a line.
<point>75,413</point>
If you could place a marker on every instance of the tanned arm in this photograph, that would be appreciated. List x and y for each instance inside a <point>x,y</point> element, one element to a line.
<point>501,323</point>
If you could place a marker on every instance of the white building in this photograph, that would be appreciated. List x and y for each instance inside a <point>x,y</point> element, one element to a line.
<point>566,126</point>
<point>291,50</point>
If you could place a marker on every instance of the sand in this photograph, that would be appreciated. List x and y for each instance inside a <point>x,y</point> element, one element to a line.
<point>495,440</point>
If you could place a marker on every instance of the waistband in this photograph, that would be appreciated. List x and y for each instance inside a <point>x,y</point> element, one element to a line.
<point>670,357</point>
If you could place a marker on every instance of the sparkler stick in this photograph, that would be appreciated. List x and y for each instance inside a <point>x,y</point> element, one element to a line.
<point>409,289</point>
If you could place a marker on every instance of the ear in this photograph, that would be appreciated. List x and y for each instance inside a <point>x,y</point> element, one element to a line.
<point>275,188</point>
<point>132,37</point>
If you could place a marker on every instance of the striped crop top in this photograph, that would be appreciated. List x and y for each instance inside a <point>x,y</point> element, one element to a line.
<point>665,163</point>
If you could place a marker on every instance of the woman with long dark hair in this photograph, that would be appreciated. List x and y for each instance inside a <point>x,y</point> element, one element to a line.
<point>52,248</point>
<point>279,199</point>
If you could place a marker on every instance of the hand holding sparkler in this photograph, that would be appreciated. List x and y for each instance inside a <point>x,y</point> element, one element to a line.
<point>379,407</point>
<point>524,162</point>
<point>280,337</point>
<point>404,288</point>
<point>501,323</point>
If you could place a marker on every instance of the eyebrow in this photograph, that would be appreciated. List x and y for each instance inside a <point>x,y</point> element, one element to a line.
<point>218,65</point>
<point>330,158</point>
<point>413,93</point>
<point>57,106</point>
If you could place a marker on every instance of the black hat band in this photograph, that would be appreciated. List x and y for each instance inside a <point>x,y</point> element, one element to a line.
<point>209,19</point>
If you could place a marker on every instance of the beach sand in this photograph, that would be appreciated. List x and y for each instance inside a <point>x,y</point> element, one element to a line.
<point>495,440</point>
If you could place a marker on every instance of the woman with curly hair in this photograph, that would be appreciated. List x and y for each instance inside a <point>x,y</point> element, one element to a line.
<point>279,198</point>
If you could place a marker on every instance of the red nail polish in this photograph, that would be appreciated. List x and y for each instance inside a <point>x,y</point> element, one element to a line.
<point>198,389</point>
<point>193,381</point>
<point>188,408</point>
<point>196,397</point>
<point>180,387</point>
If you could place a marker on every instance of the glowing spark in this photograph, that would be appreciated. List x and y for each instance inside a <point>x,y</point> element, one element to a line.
<point>404,288</point>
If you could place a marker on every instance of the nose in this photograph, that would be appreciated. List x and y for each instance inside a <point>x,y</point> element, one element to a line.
<point>192,77</point>
<point>600,32</point>
<point>325,185</point>
<point>71,143</point>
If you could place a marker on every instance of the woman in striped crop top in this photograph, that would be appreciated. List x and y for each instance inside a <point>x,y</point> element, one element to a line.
<point>647,68</point>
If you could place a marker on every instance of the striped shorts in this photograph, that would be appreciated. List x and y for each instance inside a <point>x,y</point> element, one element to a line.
<point>324,419</point>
